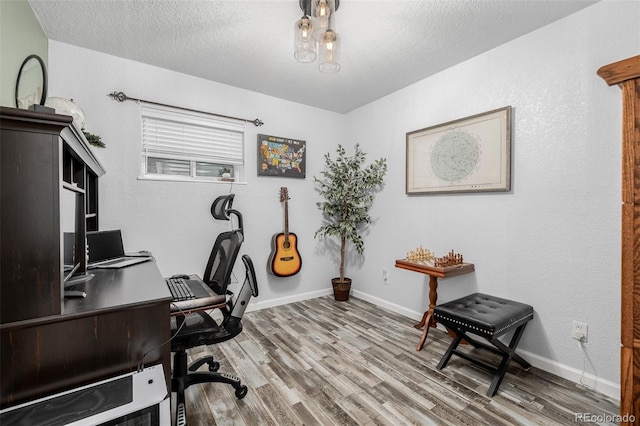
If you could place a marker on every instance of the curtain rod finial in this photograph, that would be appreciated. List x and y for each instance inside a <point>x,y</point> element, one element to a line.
<point>257,122</point>
<point>118,96</point>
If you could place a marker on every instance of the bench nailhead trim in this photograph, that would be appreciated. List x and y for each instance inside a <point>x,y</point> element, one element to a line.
<point>482,329</point>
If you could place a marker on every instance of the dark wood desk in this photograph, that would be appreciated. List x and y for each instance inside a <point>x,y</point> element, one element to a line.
<point>434,273</point>
<point>124,318</point>
<point>113,289</point>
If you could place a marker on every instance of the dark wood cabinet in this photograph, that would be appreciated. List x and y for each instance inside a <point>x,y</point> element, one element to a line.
<point>30,148</point>
<point>42,156</point>
<point>49,344</point>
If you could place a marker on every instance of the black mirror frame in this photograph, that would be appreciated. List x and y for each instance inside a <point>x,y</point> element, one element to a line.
<point>43,98</point>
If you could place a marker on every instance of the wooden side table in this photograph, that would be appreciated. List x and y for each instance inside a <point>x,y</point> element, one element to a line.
<point>434,273</point>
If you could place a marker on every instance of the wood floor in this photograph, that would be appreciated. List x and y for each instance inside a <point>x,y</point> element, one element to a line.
<point>321,362</point>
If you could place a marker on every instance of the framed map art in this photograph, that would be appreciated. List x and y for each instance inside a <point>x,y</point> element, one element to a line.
<point>472,154</point>
<point>281,157</point>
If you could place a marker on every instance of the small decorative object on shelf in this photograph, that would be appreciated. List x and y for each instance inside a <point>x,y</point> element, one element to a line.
<point>94,140</point>
<point>67,107</point>
<point>421,255</point>
<point>31,85</point>
<point>451,259</point>
<point>225,175</point>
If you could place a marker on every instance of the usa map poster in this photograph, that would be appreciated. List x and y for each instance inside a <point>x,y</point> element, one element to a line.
<point>281,157</point>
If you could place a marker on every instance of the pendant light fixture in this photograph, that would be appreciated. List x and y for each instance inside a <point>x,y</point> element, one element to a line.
<point>315,35</point>
<point>305,45</point>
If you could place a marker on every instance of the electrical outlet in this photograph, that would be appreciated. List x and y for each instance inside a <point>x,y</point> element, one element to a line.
<point>385,277</point>
<point>580,331</point>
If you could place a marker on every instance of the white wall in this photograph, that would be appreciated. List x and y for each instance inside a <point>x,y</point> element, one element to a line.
<point>553,241</point>
<point>172,219</point>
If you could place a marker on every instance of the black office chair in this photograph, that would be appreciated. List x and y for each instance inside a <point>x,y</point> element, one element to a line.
<point>200,328</point>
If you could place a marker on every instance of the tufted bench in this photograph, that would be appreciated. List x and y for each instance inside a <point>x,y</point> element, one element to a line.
<point>489,317</point>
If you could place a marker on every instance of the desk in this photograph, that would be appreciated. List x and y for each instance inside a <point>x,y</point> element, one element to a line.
<point>434,273</point>
<point>125,315</point>
<point>114,289</point>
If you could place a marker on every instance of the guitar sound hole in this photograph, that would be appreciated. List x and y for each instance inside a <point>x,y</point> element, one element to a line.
<point>286,245</point>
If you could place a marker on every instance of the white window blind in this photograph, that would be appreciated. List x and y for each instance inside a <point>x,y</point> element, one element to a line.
<point>190,144</point>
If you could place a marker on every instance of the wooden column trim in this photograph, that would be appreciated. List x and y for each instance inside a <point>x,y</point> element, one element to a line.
<point>617,72</point>
<point>626,73</point>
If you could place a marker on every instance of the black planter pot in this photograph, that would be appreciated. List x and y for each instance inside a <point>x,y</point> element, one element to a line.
<point>341,289</point>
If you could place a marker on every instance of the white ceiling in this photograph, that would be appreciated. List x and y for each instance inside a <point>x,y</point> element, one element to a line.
<point>386,44</point>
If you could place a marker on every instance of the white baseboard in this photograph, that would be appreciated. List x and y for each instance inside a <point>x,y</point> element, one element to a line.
<point>256,305</point>
<point>606,387</point>
<point>387,305</point>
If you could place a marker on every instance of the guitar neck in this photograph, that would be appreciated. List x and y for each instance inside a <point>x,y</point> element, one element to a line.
<point>286,220</point>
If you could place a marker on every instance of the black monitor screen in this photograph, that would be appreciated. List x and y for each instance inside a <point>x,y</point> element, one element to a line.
<point>104,245</point>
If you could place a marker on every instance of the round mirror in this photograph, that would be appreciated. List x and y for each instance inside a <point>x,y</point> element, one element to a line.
<point>31,85</point>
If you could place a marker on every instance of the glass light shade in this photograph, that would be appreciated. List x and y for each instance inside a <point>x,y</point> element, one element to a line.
<point>329,52</point>
<point>322,9</point>
<point>323,14</point>
<point>304,44</point>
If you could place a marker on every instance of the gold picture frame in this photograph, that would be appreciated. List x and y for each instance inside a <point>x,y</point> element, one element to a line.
<point>472,154</point>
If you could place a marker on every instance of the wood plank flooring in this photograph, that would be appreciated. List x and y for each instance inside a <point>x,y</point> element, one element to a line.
<point>322,362</point>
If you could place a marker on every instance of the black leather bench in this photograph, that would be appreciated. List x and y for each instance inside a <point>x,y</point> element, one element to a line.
<point>488,317</point>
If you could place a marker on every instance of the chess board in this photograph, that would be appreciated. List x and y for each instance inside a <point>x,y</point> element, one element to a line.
<point>436,271</point>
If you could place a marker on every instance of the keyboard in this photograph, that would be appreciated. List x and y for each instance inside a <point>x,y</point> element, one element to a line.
<point>110,262</point>
<point>179,289</point>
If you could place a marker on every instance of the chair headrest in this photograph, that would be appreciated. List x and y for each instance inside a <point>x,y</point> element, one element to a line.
<point>221,206</point>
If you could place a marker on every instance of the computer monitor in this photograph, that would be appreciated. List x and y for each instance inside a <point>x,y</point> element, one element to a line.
<point>104,245</point>
<point>72,224</point>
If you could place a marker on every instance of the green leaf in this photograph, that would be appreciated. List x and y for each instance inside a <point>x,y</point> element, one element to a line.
<point>348,189</point>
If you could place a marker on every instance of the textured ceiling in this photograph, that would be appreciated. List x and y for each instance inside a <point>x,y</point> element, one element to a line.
<point>386,44</point>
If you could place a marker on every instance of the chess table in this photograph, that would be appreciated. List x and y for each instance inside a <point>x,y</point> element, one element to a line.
<point>434,273</point>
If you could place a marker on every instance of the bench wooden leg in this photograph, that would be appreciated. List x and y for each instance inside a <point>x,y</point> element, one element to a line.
<point>451,349</point>
<point>512,347</point>
<point>506,352</point>
<point>509,353</point>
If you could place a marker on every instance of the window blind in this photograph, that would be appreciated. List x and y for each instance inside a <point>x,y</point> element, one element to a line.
<point>184,135</point>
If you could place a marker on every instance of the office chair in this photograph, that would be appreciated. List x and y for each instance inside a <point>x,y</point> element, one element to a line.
<point>200,328</point>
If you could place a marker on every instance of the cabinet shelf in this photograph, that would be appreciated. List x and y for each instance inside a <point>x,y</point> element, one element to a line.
<point>72,187</point>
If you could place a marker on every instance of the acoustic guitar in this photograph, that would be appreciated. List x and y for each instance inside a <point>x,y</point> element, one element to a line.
<point>285,259</point>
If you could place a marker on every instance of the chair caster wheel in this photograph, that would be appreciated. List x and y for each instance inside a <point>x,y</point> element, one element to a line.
<point>241,392</point>
<point>214,366</point>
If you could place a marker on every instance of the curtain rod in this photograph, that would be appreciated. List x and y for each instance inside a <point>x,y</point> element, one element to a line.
<point>121,97</point>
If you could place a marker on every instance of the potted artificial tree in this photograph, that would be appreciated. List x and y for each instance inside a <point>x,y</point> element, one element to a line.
<point>348,189</point>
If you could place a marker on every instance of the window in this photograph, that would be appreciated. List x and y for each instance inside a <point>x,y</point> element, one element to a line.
<point>186,145</point>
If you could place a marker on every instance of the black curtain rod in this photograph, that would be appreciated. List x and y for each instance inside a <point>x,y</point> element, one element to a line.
<point>121,97</point>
